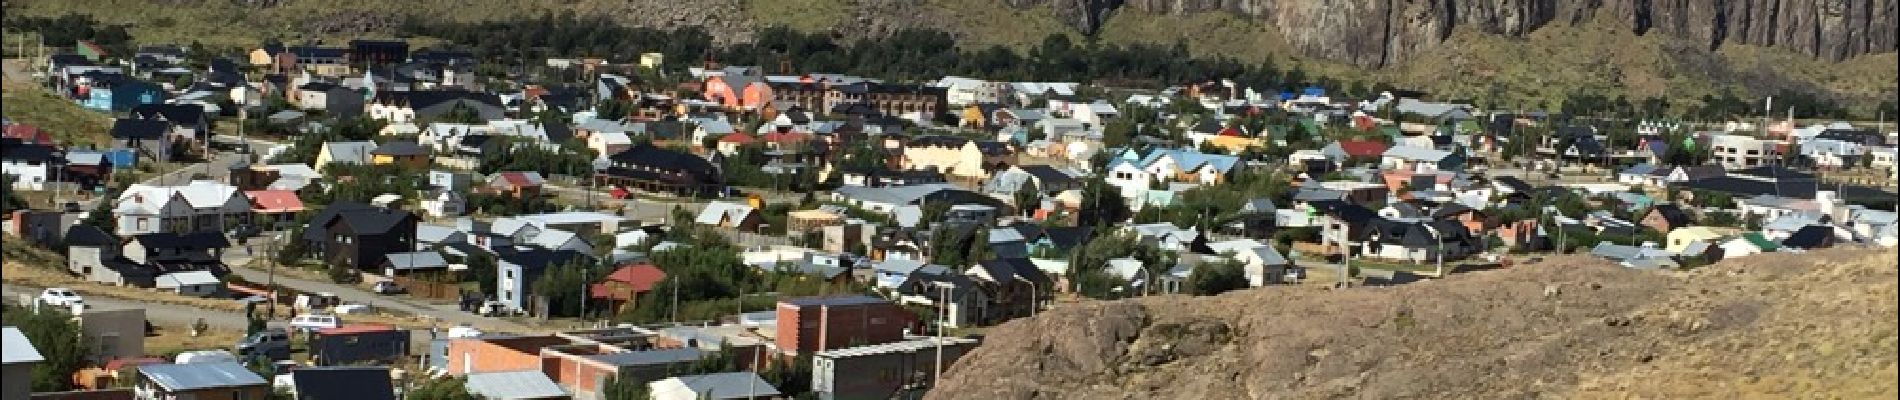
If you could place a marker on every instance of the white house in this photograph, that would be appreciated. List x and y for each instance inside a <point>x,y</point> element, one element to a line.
<point>1415,159</point>
<point>961,91</point>
<point>190,283</point>
<point>30,165</point>
<point>1135,175</point>
<point>1263,263</point>
<point>201,206</point>
<point>443,203</point>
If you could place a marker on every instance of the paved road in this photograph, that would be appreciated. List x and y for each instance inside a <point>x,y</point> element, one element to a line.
<point>159,313</point>
<point>241,265</point>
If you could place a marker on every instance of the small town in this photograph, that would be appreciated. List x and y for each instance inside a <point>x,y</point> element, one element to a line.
<point>387,218</point>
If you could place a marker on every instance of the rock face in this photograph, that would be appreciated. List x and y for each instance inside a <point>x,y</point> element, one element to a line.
<point>1768,326</point>
<point>1380,32</point>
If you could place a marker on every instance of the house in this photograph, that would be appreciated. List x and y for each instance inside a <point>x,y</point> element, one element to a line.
<point>501,353</point>
<point>1348,152</point>
<point>16,364</point>
<point>170,252</point>
<point>1666,218</point>
<point>1811,237</point>
<point>401,153</point>
<point>517,184</point>
<point>652,169</point>
<point>117,93</point>
<point>519,268</point>
<point>1420,160</point>
<point>188,121</point>
<point>882,177</point>
<point>1136,174</point>
<point>624,285</point>
<point>444,203</point>
<point>1681,238</point>
<point>274,208</point>
<point>149,138</point>
<point>1640,257</point>
<point>725,214</point>
<point>737,88</point>
<point>355,153</point>
<point>1015,286</point>
<point>961,301</point>
<point>32,166</point>
<point>191,283</point>
<point>200,206</point>
<point>410,262</point>
<point>357,344</point>
<point>1749,243</point>
<point>1740,152</point>
<point>585,370</point>
<point>881,370</point>
<point>28,134</point>
<point>216,380</point>
<point>434,105</point>
<point>811,324</point>
<point>342,382</point>
<point>1264,264</point>
<point>89,169</point>
<point>957,156</point>
<point>716,386</point>
<point>514,385</point>
<point>1045,178</point>
<point>361,238</point>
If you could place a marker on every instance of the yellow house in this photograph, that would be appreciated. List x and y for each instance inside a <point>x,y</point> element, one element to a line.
<point>1682,237</point>
<point>651,60</point>
<point>973,116</point>
<point>400,152</point>
<point>261,57</point>
<point>1235,144</point>
<point>344,153</point>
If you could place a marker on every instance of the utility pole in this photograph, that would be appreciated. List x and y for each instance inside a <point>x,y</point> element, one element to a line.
<point>942,313</point>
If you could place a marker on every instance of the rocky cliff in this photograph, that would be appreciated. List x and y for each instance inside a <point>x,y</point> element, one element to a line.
<point>1380,32</point>
<point>1768,326</point>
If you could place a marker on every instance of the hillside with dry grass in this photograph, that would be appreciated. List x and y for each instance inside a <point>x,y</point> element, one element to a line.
<point>1527,67</point>
<point>1816,325</point>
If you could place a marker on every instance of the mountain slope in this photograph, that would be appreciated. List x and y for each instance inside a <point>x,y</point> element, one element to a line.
<point>1777,325</point>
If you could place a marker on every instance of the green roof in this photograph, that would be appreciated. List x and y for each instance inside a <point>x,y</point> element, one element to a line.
<point>1759,241</point>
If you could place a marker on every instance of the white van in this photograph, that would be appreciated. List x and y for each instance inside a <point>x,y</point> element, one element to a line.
<point>205,356</point>
<point>313,322</point>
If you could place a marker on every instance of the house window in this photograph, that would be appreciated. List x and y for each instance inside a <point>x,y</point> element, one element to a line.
<point>142,223</point>
<point>509,273</point>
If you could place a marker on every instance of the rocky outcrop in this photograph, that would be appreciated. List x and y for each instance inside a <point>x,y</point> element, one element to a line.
<point>1380,32</point>
<point>1767,326</point>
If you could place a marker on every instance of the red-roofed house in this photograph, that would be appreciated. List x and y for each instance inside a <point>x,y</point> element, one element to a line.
<point>517,184</point>
<point>624,285</point>
<point>28,134</point>
<point>731,142</point>
<point>272,207</point>
<point>1345,151</point>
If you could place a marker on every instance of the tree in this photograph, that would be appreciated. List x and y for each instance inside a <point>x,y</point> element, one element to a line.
<point>51,332</point>
<point>449,388</point>
<point>1027,196</point>
<point>482,269</point>
<point>1217,277</point>
<point>626,388</point>
<point>1100,284</point>
<point>11,201</point>
<point>343,273</point>
<point>562,285</point>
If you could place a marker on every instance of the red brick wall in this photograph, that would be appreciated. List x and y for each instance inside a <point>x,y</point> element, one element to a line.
<point>487,357</point>
<point>815,328</point>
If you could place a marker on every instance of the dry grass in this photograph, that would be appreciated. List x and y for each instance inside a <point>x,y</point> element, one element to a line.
<point>801,15</point>
<point>68,122</point>
<point>174,339</point>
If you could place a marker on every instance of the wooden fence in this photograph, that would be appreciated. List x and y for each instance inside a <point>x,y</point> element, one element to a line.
<point>428,289</point>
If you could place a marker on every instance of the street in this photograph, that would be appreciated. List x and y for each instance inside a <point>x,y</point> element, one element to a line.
<point>241,265</point>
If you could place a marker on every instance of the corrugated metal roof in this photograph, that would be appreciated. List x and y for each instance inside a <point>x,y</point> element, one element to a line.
<point>528,384</point>
<point>728,385</point>
<point>14,348</point>
<point>650,357</point>
<point>181,377</point>
<point>912,345</point>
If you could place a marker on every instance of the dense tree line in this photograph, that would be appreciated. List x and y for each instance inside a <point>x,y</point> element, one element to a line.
<point>66,30</point>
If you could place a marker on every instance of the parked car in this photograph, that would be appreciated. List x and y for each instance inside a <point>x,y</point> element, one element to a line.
<point>62,297</point>
<point>317,301</point>
<point>313,322</point>
<point>351,309</point>
<point>273,343</point>
<point>388,287</point>
<point>494,308</point>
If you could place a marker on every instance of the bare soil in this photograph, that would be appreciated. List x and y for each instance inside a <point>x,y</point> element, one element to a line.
<point>1815,325</point>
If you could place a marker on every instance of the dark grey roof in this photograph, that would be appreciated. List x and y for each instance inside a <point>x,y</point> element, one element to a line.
<point>1006,269</point>
<point>1810,237</point>
<point>131,128</point>
<point>1049,176</point>
<point>539,258</point>
<point>343,383</point>
<point>88,235</point>
<point>14,149</point>
<point>318,227</point>
<point>374,220</point>
<point>558,132</point>
<point>1673,213</point>
<point>168,240</point>
<point>666,160</point>
<point>317,52</point>
<point>400,148</point>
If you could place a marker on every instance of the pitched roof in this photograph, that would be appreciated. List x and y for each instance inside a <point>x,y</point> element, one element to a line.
<point>343,382</point>
<point>642,277</point>
<point>1417,153</point>
<point>1809,237</point>
<point>1006,269</point>
<point>527,384</point>
<point>1362,148</point>
<point>169,240</point>
<point>725,385</point>
<point>183,377</point>
<point>15,348</point>
<point>373,220</point>
<point>520,178</point>
<point>718,212</point>
<point>14,149</point>
<point>647,155</point>
<point>181,114</point>
<point>415,260</point>
<point>399,148</point>
<point>274,200</point>
<point>131,128</point>
<point>88,235</point>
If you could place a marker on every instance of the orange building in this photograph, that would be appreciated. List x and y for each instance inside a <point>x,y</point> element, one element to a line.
<point>476,355</point>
